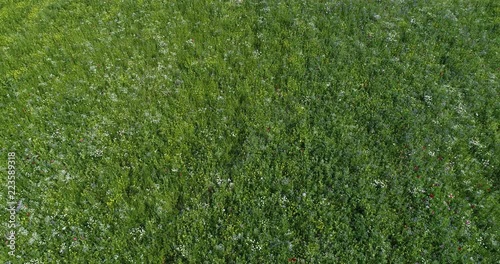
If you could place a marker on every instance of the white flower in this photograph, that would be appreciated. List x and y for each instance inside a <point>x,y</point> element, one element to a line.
<point>63,248</point>
<point>379,183</point>
<point>23,231</point>
<point>182,250</point>
<point>393,35</point>
<point>219,181</point>
<point>97,153</point>
<point>475,142</point>
<point>460,109</point>
<point>428,100</point>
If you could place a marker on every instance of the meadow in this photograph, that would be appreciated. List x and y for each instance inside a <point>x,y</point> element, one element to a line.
<point>249,131</point>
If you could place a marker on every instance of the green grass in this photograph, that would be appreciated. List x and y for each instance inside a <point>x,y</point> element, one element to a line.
<point>251,131</point>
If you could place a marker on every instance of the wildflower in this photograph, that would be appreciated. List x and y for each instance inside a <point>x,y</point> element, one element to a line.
<point>428,99</point>
<point>292,260</point>
<point>450,196</point>
<point>431,195</point>
<point>475,142</point>
<point>467,222</point>
<point>379,183</point>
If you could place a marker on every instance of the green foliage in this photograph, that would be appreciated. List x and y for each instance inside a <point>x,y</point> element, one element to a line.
<point>252,131</point>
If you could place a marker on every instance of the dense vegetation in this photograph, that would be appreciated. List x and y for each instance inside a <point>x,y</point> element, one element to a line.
<point>251,131</point>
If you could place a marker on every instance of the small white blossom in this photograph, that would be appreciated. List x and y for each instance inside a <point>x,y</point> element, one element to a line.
<point>190,42</point>
<point>379,183</point>
<point>219,181</point>
<point>475,142</point>
<point>63,248</point>
<point>461,109</point>
<point>428,100</point>
<point>97,153</point>
<point>137,232</point>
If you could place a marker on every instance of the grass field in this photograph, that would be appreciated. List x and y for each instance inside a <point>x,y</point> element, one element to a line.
<point>250,131</point>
